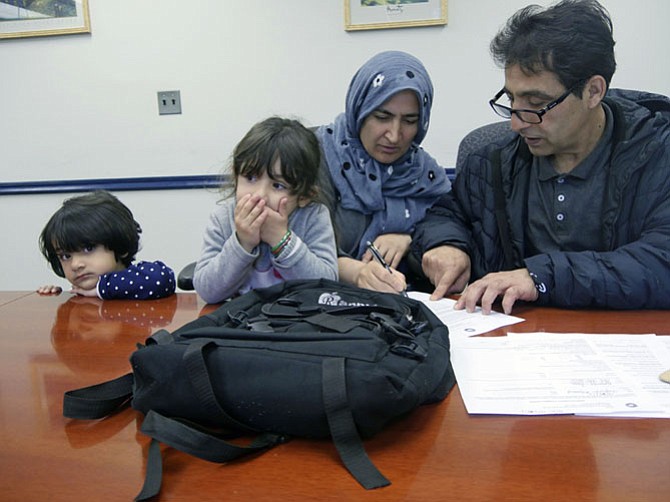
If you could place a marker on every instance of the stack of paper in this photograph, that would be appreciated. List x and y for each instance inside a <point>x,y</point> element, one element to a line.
<point>559,373</point>
<point>553,373</point>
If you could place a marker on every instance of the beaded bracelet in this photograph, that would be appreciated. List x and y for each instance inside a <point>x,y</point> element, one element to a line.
<point>276,250</point>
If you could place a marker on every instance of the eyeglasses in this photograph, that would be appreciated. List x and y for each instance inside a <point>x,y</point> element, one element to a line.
<point>528,116</point>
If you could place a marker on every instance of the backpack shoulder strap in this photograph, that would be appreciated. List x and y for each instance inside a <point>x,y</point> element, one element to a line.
<point>98,401</point>
<point>103,399</point>
<point>343,428</point>
<point>195,441</point>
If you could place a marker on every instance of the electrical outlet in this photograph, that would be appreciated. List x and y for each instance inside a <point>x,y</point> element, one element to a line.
<point>169,102</point>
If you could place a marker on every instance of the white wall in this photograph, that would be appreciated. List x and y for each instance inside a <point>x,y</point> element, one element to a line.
<point>84,106</point>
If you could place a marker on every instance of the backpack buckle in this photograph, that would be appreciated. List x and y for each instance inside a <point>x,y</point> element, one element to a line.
<point>239,318</point>
<point>417,327</point>
<point>408,348</point>
<point>389,324</point>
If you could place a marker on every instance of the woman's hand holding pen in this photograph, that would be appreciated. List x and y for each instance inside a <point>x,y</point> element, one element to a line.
<point>391,247</point>
<point>373,275</point>
<point>390,275</point>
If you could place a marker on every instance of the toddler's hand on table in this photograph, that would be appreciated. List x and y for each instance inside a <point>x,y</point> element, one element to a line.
<point>49,289</point>
<point>91,293</point>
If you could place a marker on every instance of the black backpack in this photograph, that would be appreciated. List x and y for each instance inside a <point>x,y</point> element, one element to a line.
<point>310,358</point>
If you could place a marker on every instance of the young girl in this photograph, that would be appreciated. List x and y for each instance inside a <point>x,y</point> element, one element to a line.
<point>92,241</point>
<point>274,227</point>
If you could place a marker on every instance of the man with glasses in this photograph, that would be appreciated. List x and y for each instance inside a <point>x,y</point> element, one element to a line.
<point>573,209</point>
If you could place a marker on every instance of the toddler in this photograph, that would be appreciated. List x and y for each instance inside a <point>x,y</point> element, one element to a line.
<point>92,241</point>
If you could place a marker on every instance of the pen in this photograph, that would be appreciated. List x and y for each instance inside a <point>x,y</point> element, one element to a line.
<point>378,256</point>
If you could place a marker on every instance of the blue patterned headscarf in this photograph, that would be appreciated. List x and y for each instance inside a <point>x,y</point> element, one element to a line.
<point>395,195</point>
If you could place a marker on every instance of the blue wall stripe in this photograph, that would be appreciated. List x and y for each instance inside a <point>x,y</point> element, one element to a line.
<point>112,184</point>
<point>119,184</point>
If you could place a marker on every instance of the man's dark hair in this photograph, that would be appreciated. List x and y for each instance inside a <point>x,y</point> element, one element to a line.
<point>572,39</point>
<point>90,220</point>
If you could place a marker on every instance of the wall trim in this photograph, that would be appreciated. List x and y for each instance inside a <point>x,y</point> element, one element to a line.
<point>199,181</point>
<point>111,184</point>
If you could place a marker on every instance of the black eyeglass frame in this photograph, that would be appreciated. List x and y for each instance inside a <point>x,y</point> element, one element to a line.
<point>507,114</point>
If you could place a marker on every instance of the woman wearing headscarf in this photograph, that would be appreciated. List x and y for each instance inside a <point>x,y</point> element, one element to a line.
<point>383,181</point>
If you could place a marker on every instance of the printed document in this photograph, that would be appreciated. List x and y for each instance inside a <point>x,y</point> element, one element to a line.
<point>564,373</point>
<point>462,324</point>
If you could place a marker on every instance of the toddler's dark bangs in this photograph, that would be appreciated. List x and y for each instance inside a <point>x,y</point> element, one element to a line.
<point>70,235</point>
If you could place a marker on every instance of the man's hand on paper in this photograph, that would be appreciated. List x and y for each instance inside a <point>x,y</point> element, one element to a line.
<point>448,268</point>
<point>511,286</point>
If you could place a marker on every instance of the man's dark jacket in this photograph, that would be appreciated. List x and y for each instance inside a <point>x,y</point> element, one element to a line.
<point>633,271</point>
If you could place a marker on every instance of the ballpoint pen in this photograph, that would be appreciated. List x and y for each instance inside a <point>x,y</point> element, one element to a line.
<point>378,256</point>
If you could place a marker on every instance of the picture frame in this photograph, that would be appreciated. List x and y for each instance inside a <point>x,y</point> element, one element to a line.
<point>381,14</point>
<point>54,17</point>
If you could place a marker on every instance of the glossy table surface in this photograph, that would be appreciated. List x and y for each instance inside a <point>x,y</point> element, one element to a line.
<point>51,344</point>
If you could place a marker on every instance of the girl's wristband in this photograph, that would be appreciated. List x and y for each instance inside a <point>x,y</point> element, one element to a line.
<point>276,250</point>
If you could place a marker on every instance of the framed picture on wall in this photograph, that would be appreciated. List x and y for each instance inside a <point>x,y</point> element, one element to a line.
<point>36,18</point>
<point>378,14</point>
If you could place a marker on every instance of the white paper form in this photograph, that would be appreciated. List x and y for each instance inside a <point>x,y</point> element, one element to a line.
<point>642,358</point>
<point>544,373</point>
<point>462,324</point>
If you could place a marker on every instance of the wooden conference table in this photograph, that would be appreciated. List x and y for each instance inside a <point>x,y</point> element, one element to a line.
<point>53,344</point>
